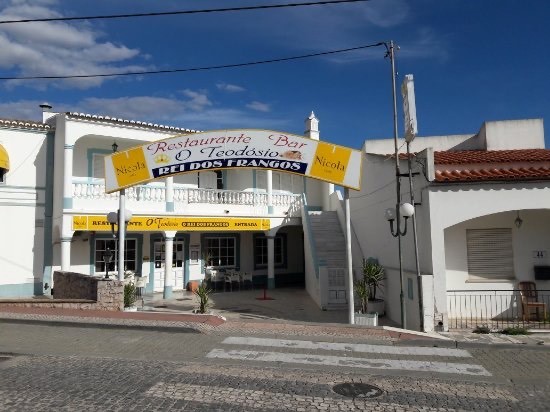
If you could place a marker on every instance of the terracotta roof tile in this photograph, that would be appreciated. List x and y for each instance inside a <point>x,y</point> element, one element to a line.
<point>512,174</point>
<point>491,156</point>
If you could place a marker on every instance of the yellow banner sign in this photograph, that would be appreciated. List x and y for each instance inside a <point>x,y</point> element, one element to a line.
<point>184,224</point>
<point>233,149</point>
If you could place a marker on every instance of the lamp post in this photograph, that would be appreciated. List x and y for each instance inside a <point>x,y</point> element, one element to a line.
<point>107,257</point>
<point>390,214</point>
<point>121,225</point>
<point>114,219</point>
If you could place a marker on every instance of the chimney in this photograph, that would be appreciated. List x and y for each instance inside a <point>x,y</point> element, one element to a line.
<point>46,111</point>
<point>312,127</point>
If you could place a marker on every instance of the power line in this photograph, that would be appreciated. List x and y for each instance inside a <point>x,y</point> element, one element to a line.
<point>172,13</point>
<point>193,69</point>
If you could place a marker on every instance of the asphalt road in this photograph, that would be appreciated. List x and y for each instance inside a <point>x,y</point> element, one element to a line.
<point>60,368</point>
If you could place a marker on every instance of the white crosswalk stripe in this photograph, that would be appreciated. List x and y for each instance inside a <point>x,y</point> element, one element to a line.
<point>361,361</point>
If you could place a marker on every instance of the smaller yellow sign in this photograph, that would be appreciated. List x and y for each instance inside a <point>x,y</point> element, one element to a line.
<point>330,162</point>
<point>130,167</point>
<point>184,224</point>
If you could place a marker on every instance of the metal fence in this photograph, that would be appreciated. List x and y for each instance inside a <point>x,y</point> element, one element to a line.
<point>497,309</point>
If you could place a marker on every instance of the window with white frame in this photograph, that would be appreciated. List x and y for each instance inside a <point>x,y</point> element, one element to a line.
<point>106,247</point>
<point>490,254</point>
<point>221,251</point>
<point>260,251</point>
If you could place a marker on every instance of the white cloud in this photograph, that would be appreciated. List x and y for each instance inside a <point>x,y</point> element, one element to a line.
<point>162,110</point>
<point>57,48</point>
<point>231,88</point>
<point>259,106</point>
<point>198,101</point>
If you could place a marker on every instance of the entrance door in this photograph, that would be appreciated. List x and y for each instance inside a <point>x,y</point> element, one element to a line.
<point>177,264</point>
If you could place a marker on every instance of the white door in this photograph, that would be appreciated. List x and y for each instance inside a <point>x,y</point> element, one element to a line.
<point>337,286</point>
<point>177,264</point>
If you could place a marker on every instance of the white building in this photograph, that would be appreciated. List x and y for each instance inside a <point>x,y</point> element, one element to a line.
<point>482,219</point>
<point>53,181</point>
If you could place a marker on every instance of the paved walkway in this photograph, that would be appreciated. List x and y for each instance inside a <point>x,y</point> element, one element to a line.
<point>279,311</point>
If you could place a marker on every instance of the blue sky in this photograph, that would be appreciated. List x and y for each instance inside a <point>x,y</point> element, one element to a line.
<point>472,61</point>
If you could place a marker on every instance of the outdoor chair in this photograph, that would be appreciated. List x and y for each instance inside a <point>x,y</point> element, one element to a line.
<point>247,277</point>
<point>529,300</point>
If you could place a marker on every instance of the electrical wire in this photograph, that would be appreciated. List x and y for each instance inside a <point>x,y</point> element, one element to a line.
<point>173,13</point>
<point>192,69</point>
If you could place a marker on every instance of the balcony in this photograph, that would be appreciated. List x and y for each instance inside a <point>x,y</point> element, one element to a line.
<point>90,197</point>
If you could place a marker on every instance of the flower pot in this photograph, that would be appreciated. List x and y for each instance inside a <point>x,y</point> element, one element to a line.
<point>366,319</point>
<point>130,309</point>
<point>192,285</point>
<point>378,306</point>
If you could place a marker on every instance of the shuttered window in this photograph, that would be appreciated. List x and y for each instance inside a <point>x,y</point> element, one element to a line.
<point>490,254</point>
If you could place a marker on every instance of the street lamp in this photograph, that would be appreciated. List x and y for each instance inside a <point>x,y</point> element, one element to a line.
<point>107,258</point>
<point>406,210</point>
<point>121,225</point>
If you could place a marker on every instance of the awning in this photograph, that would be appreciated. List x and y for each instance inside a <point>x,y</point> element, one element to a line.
<point>4,159</point>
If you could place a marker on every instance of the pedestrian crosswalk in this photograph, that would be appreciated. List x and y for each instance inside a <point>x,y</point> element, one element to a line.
<point>350,355</point>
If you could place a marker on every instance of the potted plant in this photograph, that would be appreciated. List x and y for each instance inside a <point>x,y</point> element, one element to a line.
<point>374,275</point>
<point>362,291</point>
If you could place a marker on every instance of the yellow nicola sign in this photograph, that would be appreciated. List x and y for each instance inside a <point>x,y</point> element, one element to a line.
<point>185,224</point>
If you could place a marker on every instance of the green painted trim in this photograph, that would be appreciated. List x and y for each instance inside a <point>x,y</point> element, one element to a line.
<point>67,203</point>
<point>129,235</point>
<point>315,208</point>
<point>283,265</point>
<point>186,240</point>
<point>90,158</point>
<point>254,179</point>
<point>270,210</point>
<point>19,289</point>
<point>224,179</point>
<point>237,237</point>
<point>47,275</point>
<point>167,293</point>
<point>271,283</point>
<point>170,206</point>
<point>150,287</point>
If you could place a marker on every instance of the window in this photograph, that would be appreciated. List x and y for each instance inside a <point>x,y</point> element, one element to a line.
<point>490,254</point>
<point>177,253</point>
<point>221,251</point>
<point>260,251</point>
<point>98,166</point>
<point>104,246</point>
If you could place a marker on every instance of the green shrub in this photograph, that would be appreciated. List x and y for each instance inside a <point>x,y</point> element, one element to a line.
<point>129,295</point>
<point>515,330</point>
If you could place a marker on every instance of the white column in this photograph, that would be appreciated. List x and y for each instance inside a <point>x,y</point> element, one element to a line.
<point>68,176</point>
<point>270,262</point>
<point>351,302</point>
<point>66,253</point>
<point>269,178</point>
<point>168,270</point>
<point>169,194</point>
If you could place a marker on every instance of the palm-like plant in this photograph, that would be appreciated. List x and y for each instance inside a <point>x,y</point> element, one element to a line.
<point>362,291</point>
<point>203,295</point>
<point>373,276</point>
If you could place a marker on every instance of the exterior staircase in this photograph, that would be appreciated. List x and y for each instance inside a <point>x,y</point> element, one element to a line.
<point>330,246</point>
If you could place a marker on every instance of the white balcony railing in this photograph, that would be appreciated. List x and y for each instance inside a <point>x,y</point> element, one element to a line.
<point>96,191</point>
<point>155,194</point>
